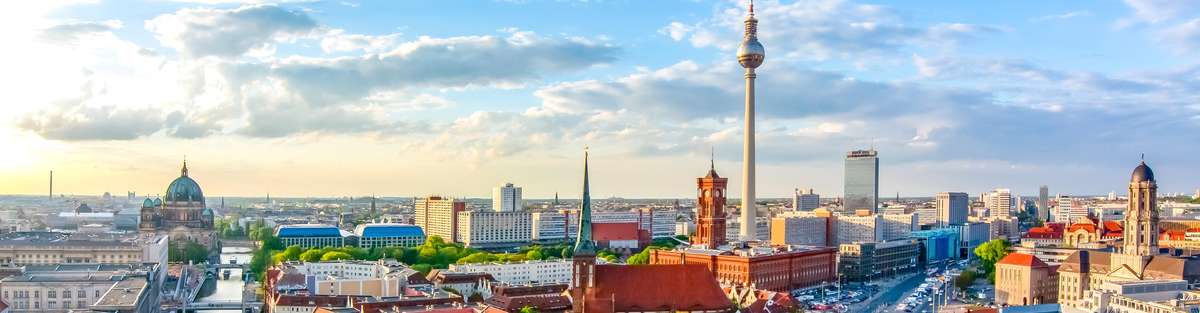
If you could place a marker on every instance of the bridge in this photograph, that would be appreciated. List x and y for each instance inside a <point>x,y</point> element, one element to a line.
<point>221,305</point>
<point>230,266</point>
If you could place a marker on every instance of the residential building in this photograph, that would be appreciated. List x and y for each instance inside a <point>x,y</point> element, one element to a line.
<point>511,298</point>
<point>311,235</point>
<point>867,261</point>
<point>389,235</point>
<point>733,228</point>
<point>483,229</point>
<point>1003,227</point>
<point>507,198</point>
<point>952,208</point>
<point>1069,210</point>
<point>340,278</point>
<point>1023,279</point>
<point>999,203</point>
<point>861,227</point>
<point>862,181</point>
<point>803,200</point>
<point>554,226</point>
<point>927,216</point>
<point>808,228</point>
<point>659,222</point>
<point>438,216</point>
<point>521,273</point>
<point>464,284</point>
<point>898,226</point>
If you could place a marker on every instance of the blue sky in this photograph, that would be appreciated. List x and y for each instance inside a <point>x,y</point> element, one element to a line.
<point>453,97</point>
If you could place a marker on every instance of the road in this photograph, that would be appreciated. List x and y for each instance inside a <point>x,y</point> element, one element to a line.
<point>890,296</point>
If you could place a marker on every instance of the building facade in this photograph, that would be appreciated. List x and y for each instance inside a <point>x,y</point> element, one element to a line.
<point>438,216</point>
<point>554,226</point>
<point>181,212</point>
<point>940,244</point>
<point>898,226</point>
<point>811,228</point>
<point>76,287</point>
<point>482,229</point>
<point>311,235</point>
<point>859,228</point>
<point>777,269</point>
<point>39,248</point>
<point>999,203</point>
<point>952,208</point>
<point>507,198</point>
<point>521,273</point>
<point>389,235</point>
<point>867,261</point>
<point>862,181</point>
<point>1023,279</point>
<point>805,200</point>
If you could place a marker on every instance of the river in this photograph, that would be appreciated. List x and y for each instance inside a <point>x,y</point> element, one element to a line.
<point>229,289</point>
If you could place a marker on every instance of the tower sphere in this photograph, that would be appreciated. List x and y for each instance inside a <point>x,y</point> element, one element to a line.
<point>751,54</point>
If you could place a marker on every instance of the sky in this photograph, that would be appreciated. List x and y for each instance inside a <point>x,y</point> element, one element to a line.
<point>411,98</point>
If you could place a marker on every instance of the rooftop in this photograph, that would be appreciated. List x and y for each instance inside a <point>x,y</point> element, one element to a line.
<point>376,230</point>
<point>308,230</point>
<point>124,294</point>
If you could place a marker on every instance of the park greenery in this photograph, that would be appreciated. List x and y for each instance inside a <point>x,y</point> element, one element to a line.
<point>434,253</point>
<point>989,253</point>
<point>228,228</point>
<point>185,251</point>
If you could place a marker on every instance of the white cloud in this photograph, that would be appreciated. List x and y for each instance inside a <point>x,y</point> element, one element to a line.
<point>201,32</point>
<point>338,40</point>
<point>1062,16</point>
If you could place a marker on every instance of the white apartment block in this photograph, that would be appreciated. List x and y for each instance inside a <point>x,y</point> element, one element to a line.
<point>555,226</point>
<point>438,216</point>
<point>519,273</point>
<point>1068,210</point>
<point>733,228</point>
<point>660,223</point>
<point>859,228</point>
<point>491,228</point>
<point>378,278</point>
<point>32,248</point>
<point>999,202</point>
<point>898,226</point>
<point>65,288</point>
<point>507,198</point>
<point>927,215</point>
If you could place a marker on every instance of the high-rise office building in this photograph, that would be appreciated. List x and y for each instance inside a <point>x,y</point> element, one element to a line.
<point>862,181</point>
<point>438,216</point>
<point>1043,205</point>
<point>507,198</point>
<point>805,200</point>
<point>952,208</point>
<point>1069,210</point>
<point>999,203</point>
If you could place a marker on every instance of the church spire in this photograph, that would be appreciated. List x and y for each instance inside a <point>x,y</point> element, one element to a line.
<point>184,171</point>
<point>584,246</point>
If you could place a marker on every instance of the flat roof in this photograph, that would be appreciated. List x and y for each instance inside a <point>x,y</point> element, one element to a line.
<point>123,294</point>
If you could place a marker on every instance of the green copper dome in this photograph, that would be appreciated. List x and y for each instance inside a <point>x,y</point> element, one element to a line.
<point>148,203</point>
<point>184,189</point>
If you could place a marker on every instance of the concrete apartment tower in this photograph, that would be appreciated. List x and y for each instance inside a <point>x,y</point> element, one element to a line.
<point>750,55</point>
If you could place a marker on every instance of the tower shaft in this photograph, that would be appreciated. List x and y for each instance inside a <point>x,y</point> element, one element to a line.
<point>747,219</point>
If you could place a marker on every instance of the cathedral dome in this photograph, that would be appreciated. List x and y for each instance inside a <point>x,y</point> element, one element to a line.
<point>184,189</point>
<point>1142,173</point>
<point>148,203</point>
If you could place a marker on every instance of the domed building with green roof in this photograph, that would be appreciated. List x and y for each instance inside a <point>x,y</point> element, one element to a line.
<point>181,212</point>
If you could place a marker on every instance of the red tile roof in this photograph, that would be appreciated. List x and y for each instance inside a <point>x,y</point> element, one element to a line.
<point>1022,259</point>
<point>772,302</point>
<point>658,287</point>
<point>311,301</point>
<point>614,231</point>
<point>1172,235</point>
<point>1044,232</point>
<point>1113,226</point>
<point>1088,227</point>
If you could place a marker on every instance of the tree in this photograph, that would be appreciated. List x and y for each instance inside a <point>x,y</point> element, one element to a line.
<point>640,258</point>
<point>528,309</point>
<point>989,253</point>
<point>423,268</point>
<point>535,254</point>
<point>311,255</point>
<point>186,251</point>
<point>964,280</point>
<point>336,255</point>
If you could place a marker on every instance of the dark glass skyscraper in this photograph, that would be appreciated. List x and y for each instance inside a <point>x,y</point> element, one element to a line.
<point>862,181</point>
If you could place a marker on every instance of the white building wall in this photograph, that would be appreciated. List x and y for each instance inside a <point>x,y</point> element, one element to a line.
<point>553,271</point>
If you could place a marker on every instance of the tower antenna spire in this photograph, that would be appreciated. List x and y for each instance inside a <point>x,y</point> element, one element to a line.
<point>712,156</point>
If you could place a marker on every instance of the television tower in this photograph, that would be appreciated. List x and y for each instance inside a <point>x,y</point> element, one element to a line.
<point>750,55</point>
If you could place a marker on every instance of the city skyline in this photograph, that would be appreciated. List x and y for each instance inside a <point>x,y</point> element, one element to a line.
<point>327,99</point>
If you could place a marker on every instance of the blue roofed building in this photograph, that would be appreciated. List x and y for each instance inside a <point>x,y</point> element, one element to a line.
<point>939,244</point>
<point>311,235</point>
<point>389,235</point>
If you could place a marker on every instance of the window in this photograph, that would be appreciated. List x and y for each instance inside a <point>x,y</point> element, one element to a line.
<point>81,293</point>
<point>97,293</point>
<point>66,294</point>
<point>80,304</point>
<point>51,294</point>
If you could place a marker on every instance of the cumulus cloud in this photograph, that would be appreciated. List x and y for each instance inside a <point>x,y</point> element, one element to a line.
<point>75,119</point>
<point>823,29</point>
<point>201,32</point>
<point>70,32</point>
<point>1176,24</point>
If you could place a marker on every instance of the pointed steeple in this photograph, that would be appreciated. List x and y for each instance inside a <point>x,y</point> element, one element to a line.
<point>184,170</point>
<point>584,246</point>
